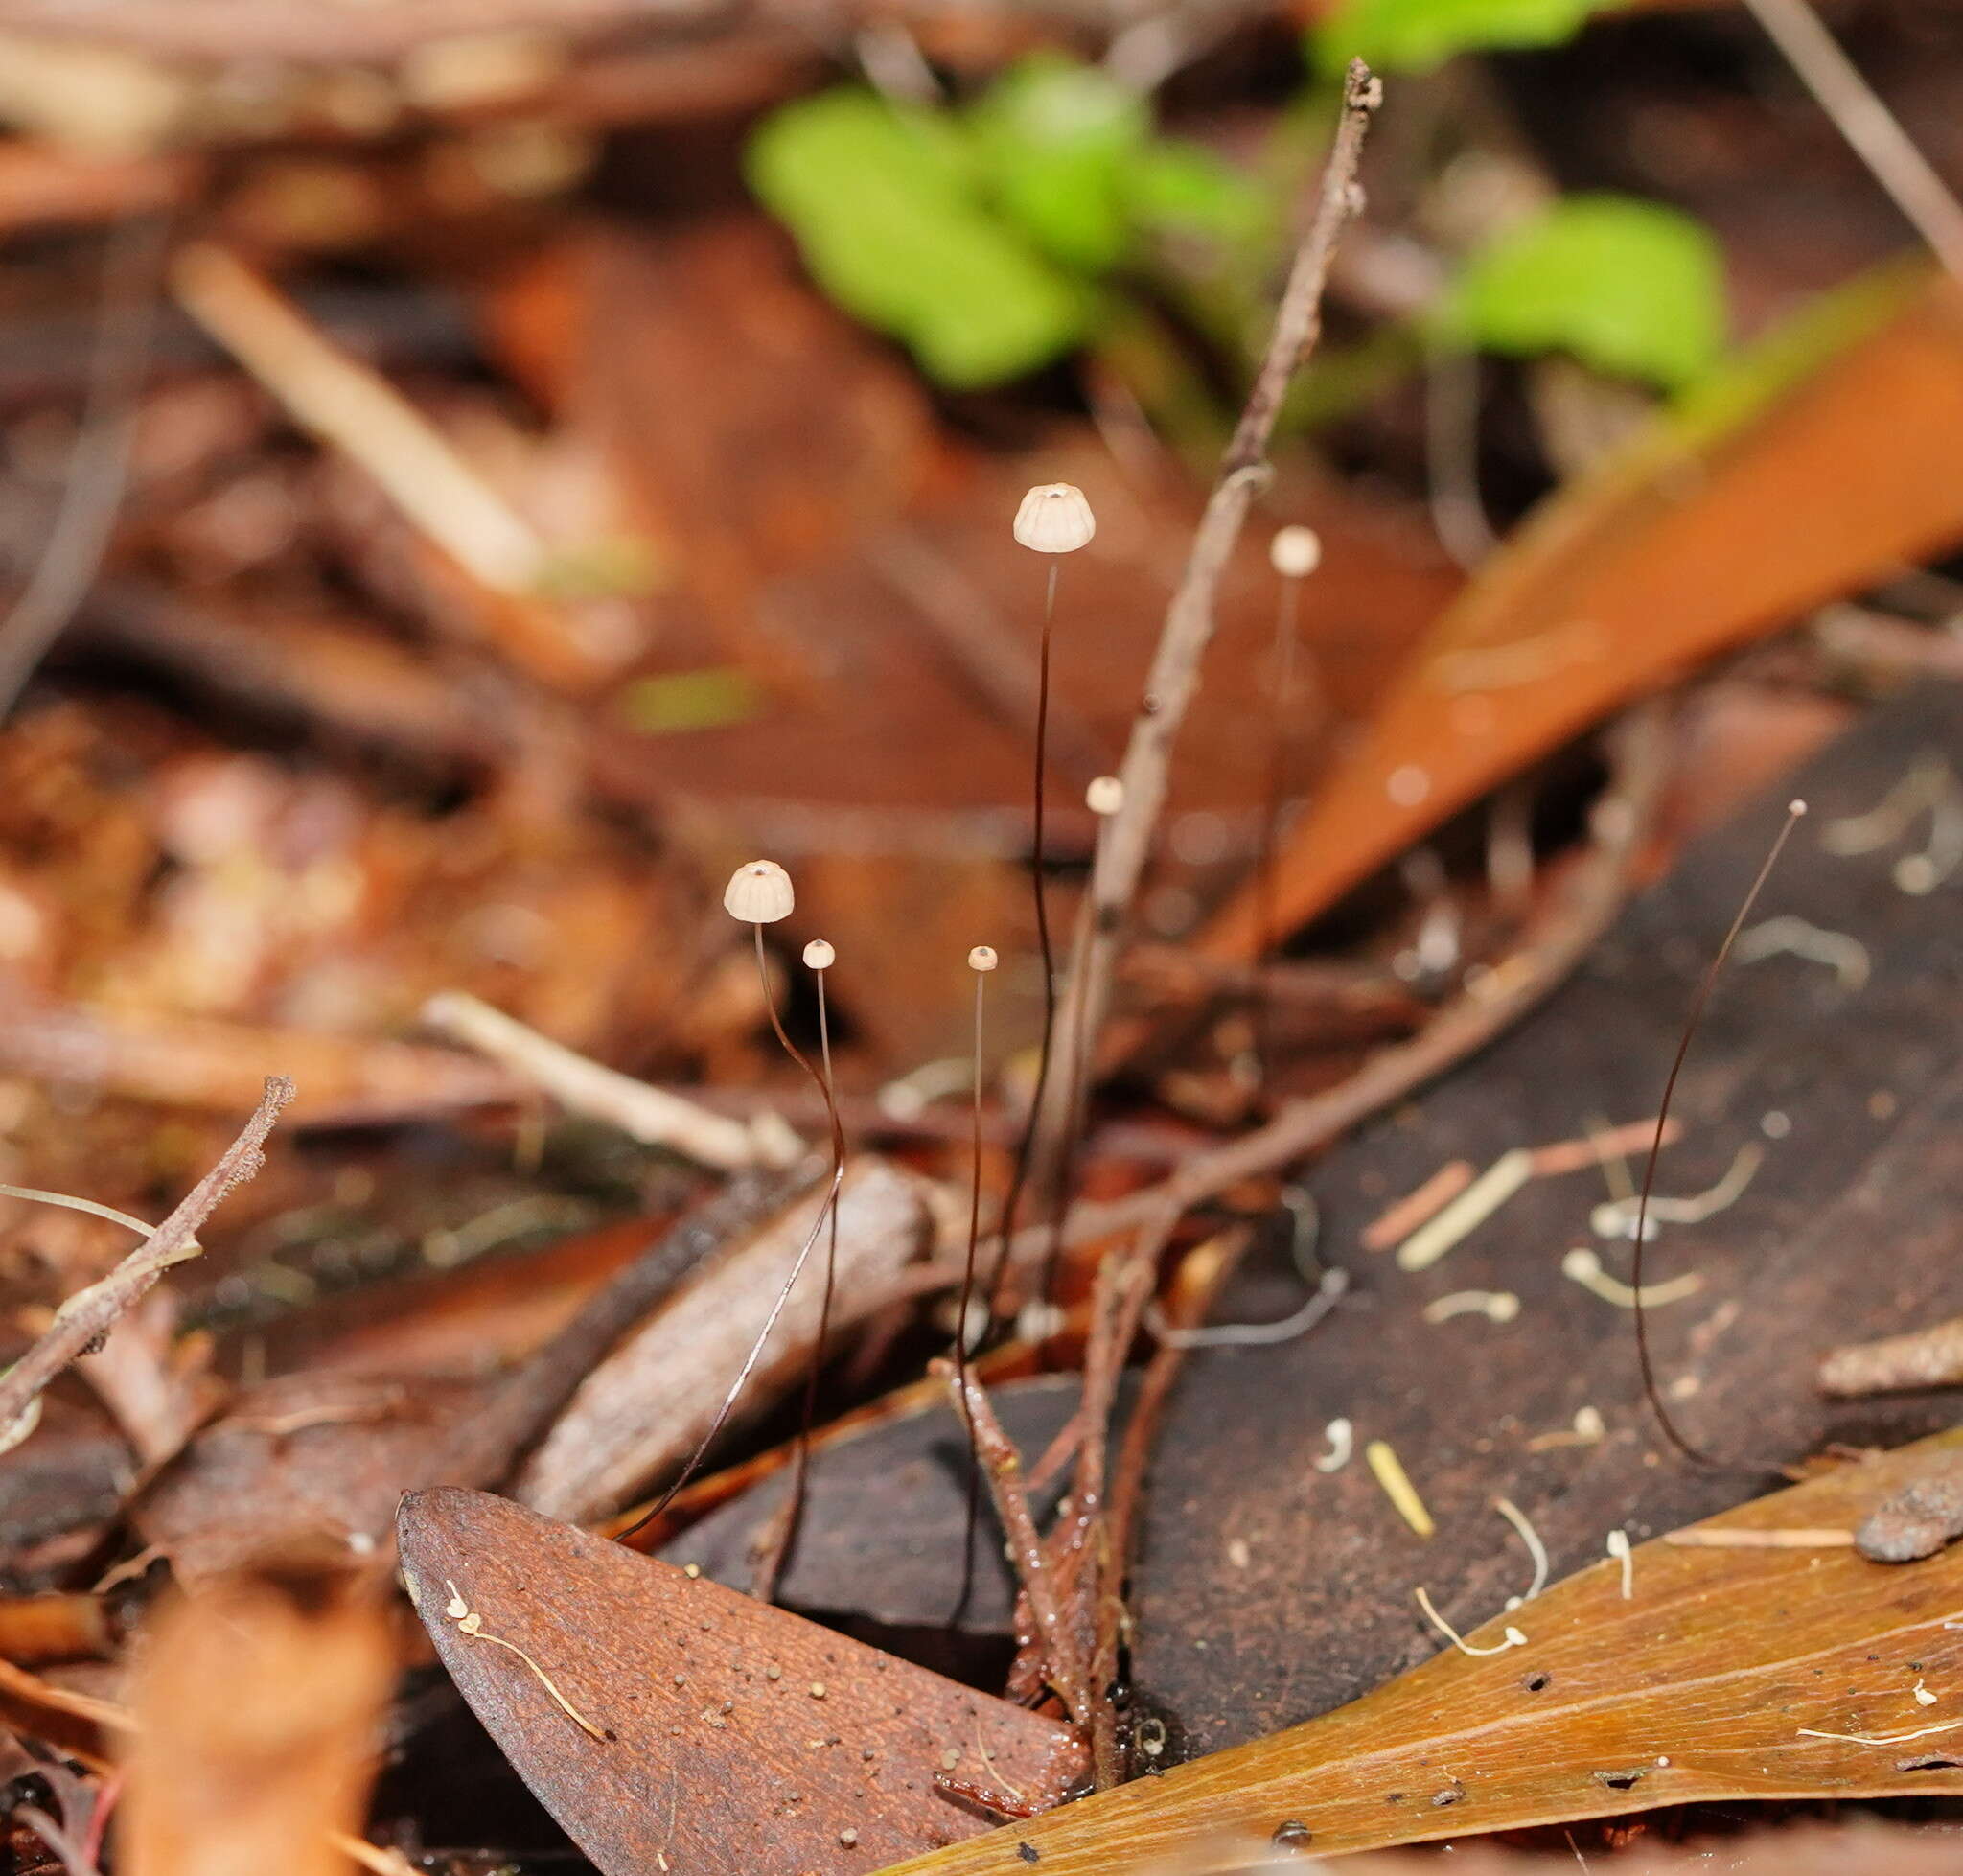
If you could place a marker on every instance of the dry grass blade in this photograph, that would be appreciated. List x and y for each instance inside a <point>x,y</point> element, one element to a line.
<point>1728,1673</point>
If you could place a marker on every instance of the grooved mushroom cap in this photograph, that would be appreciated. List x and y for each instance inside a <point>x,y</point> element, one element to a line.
<point>819,954</point>
<point>759,893</point>
<point>1295,552</point>
<point>981,958</point>
<point>1055,518</point>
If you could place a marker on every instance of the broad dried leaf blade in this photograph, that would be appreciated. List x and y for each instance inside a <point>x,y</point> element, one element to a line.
<point>741,1738</point>
<point>1706,1684</point>
<point>1723,522</point>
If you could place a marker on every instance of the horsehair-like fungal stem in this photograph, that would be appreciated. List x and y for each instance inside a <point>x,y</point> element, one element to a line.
<point>819,959</point>
<point>1794,811</point>
<point>759,894</point>
<point>981,961</point>
<point>1104,796</point>
<point>1294,553</point>
<point>1054,519</point>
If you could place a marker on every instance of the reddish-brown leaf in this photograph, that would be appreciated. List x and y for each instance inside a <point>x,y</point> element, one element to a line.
<point>736,1737</point>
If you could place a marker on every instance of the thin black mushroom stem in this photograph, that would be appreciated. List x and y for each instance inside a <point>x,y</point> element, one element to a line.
<point>1695,1453</point>
<point>759,894</point>
<point>981,962</point>
<point>1104,798</point>
<point>1055,518</point>
<point>1294,553</point>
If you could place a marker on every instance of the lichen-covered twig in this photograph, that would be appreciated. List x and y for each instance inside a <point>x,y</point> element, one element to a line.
<point>1002,1465</point>
<point>88,1315</point>
<point>1189,627</point>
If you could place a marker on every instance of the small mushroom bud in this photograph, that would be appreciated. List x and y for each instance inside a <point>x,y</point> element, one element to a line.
<point>1105,795</point>
<point>818,954</point>
<point>1295,552</point>
<point>759,893</point>
<point>981,958</point>
<point>1055,518</point>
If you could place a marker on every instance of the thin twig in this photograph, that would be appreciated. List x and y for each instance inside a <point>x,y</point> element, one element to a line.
<point>100,467</point>
<point>1873,130</point>
<point>90,1314</point>
<point>1561,939</point>
<point>1001,1463</point>
<point>1189,627</point>
<point>653,1116</point>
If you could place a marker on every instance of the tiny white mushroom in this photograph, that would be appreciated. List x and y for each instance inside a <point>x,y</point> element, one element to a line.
<point>983,958</point>
<point>818,954</point>
<point>1105,795</point>
<point>1055,518</point>
<point>1295,552</point>
<point>759,893</point>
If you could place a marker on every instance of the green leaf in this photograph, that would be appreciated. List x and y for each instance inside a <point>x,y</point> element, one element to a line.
<point>1179,189</point>
<point>1416,36</point>
<point>1052,137</point>
<point>882,201</point>
<point>1629,288</point>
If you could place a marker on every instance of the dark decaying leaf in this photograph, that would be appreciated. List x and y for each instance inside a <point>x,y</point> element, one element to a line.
<point>881,1532</point>
<point>1846,1230</point>
<point>1722,523</point>
<point>737,1737</point>
<point>1722,1673</point>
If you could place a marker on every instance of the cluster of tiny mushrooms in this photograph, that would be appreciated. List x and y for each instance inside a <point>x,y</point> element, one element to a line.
<point>1056,519</point>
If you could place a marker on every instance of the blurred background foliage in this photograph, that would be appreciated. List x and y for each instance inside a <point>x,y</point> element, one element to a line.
<point>1050,213</point>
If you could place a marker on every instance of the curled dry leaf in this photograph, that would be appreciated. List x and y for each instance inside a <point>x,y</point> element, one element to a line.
<point>256,1731</point>
<point>643,1410</point>
<point>735,1737</point>
<point>1727,1673</point>
<point>1722,522</point>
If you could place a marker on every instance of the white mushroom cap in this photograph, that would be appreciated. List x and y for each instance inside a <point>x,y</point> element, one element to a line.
<point>1105,795</point>
<point>759,893</point>
<point>981,958</point>
<point>819,954</point>
<point>1055,518</point>
<point>1295,552</point>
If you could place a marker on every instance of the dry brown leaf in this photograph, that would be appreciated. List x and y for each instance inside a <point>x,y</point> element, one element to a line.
<point>671,1724</point>
<point>1720,524</point>
<point>1722,1674</point>
<point>257,1726</point>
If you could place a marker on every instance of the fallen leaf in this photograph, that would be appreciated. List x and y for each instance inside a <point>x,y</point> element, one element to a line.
<point>1724,520</point>
<point>1723,1674</point>
<point>643,1410</point>
<point>256,1729</point>
<point>1852,1100</point>
<point>735,1737</point>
